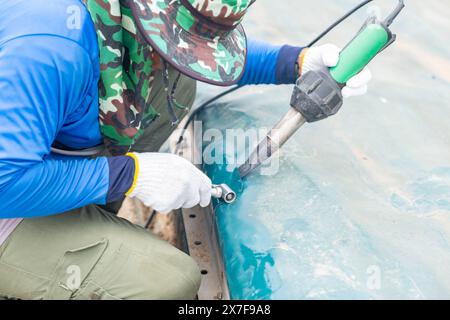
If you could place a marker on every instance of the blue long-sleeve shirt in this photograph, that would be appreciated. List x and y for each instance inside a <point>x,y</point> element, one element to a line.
<point>49,73</point>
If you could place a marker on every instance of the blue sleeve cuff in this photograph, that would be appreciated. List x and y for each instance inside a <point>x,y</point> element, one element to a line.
<point>287,69</point>
<point>261,63</point>
<point>121,175</point>
<point>270,64</point>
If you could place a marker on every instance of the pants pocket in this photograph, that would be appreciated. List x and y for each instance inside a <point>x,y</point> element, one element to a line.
<point>73,269</point>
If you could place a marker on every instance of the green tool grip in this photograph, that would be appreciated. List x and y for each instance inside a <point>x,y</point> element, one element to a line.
<point>360,51</point>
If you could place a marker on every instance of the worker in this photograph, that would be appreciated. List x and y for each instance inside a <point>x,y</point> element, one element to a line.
<point>121,74</point>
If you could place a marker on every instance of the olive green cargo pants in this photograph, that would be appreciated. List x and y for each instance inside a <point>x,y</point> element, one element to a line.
<point>89,253</point>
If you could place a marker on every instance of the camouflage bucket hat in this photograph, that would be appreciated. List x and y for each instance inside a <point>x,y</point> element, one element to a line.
<point>203,39</point>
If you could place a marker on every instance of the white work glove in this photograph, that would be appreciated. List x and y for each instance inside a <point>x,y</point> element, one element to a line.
<point>166,182</point>
<point>327,56</point>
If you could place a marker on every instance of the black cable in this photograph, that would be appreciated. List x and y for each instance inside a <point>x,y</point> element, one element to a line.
<point>226,92</point>
<point>338,22</point>
<point>200,108</point>
<point>150,219</point>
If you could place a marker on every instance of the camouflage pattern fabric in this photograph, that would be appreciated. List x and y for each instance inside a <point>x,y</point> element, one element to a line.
<point>202,38</point>
<point>127,63</point>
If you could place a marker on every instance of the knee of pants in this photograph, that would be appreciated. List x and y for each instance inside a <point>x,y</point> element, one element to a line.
<point>153,269</point>
<point>182,282</point>
<point>144,275</point>
<point>139,265</point>
<point>169,277</point>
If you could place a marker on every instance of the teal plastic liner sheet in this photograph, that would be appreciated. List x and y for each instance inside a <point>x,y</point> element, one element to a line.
<point>360,205</point>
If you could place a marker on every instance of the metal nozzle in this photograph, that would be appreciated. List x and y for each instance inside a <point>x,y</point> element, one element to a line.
<point>395,13</point>
<point>274,140</point>
<point>224,192</point>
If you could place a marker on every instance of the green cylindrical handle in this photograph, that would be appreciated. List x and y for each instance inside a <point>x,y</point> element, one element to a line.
<point>358,53</point>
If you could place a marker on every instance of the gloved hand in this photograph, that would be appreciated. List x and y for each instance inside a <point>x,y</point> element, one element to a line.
<point>166,182</point>
<point>326,56</point>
